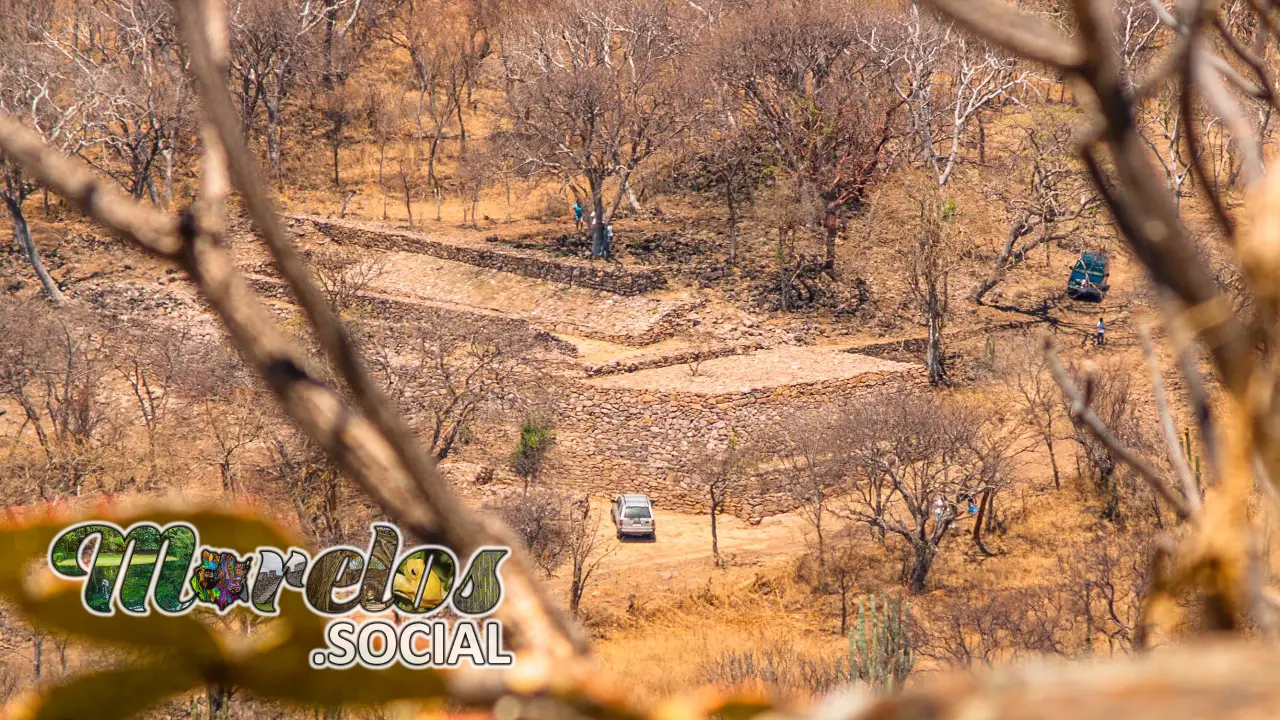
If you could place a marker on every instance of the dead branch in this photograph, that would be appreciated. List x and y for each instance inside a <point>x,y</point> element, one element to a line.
<point>1080,412</point>
<point>1176,456</point>
<point>410,491</point>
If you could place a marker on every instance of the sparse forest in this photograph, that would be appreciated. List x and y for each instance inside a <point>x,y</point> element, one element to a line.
<point>797,270</point>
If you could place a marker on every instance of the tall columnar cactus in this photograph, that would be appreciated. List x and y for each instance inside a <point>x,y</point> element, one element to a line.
<point>880,645</point>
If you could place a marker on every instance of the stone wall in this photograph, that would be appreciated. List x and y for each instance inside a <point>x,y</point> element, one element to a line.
<point>612,440</point>
<point>614,367</point>
<point>264,280</point>
<point>402,312</point>
<point>612,278</point>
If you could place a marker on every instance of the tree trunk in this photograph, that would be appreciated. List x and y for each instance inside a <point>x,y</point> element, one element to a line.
<point>977,524</point>
<point>599,243</point>
<point>22,236</point>
<point>382,158</point>
<point>575,590</point>
<point>337,177</point>
<point>275,142</point>
<point>408,205</point>
<point>715,540</point>
<point>431,161</point>
<point>168,177</point>
<point>934,358</point>
<point>632,202</point>
<point>984,286</point>
<point>153,193</point>
<point>920,567</point>
<point>822,550</point>
<point>1053,460</point>
<point>462,131</point>
<point>37,655</point>
<point>832,225</point>
<point>982,141</point>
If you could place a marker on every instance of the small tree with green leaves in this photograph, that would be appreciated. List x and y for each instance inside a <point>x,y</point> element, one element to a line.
<point>531,450</point>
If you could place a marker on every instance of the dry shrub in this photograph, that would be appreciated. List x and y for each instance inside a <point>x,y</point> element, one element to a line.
<point>344,274</point>
<point>538,517</point>
<point>779,669</point>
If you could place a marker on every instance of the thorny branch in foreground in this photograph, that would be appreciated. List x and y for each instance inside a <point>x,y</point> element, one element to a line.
<point>372,444</point>
<point>1219,558</point>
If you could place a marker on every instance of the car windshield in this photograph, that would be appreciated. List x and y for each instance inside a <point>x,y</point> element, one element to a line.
<point>636,513</point>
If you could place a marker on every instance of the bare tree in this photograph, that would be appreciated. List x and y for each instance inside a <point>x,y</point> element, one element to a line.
<point>320,495</point>
<point>1039,399</point>
<point>1113,400</point>
<point>913,457</point>
<point>123,56</point>
<point>721,473</point>
<point>796,74</point>
<point>813,470</point>
<point>541,518</point>
<point>474,174</point>
<point>943,76</point>
<point>347,32</point>
<point>34,88</point>
<point>448,371</point>
<point>54,371</point>
<point>273,45</point>
<point>584,531</point>
<point>1110,579</point>
<point>928,268</point>
<point>594,89</point>
<point>236,424</point>
<point>735,159</point>
<point>345,274</point>
<point>1059,202</point>
<point>433,34</point>
<point>150,359</point>
<point>382,116</point>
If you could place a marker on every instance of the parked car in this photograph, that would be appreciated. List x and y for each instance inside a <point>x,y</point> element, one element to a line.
<point>1089,277</point>
<point>633,515</point>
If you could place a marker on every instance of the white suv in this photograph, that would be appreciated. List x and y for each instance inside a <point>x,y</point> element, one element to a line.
<point>633,515</point>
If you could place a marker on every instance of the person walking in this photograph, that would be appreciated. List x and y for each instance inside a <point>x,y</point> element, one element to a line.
<point>1100,338</point>
<point>577,215</point>
<point>939,507</point>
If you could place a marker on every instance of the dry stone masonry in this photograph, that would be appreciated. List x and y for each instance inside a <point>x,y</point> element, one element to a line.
<point>632,432</point>
<point>616,279</point>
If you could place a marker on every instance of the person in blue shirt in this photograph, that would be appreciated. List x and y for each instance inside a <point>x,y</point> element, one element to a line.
<point>577,215</point>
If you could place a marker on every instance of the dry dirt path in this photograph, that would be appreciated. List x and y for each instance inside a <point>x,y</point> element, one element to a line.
<point>681,557</point>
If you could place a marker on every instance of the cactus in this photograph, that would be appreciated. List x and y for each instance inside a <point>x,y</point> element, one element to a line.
<point>879,644</point>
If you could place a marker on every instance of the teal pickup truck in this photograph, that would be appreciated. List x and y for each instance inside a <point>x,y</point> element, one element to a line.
<point>1089,277</point>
